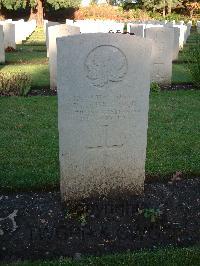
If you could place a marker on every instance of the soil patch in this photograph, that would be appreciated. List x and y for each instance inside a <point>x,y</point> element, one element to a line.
<point>38,226</point>
<point>46,91</point>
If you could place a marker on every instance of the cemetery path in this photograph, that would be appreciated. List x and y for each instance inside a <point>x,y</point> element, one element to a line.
<point>37,225</point>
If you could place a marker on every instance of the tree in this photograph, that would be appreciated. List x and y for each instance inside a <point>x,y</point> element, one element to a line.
<point>154,5</point>
<point>191,6</point>
<point>37,6</point>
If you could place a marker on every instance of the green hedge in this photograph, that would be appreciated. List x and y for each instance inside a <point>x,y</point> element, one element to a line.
<point>14,84</point>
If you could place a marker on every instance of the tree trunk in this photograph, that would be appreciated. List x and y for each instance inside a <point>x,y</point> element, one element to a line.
<point>164,4</point>
<point>39,13</point>
<point>164,12</point>
<point>191,13</point>
<point>33,13</point>
<point>169,8</point>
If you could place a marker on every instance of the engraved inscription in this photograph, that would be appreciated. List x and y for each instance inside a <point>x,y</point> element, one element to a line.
<point>99,107</point>
<point>105,64</point>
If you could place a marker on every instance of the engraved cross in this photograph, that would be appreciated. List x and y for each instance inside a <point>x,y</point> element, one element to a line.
<point>106,144</point>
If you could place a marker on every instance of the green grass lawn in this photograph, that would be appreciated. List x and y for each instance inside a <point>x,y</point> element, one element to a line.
<point>39,73</point>
<point>180,74</point>
<point>29,138</point>
<point>165,257</point>
<point>30,57</point>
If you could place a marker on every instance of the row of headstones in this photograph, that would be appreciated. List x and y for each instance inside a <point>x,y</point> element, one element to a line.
<point>198,26</point>
<point>14,32</point>
<point>167,40</point>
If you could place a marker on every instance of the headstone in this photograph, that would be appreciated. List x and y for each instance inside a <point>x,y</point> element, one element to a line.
<point>103,99</point>
<point>70,22</point>
<point>136,29</point>
<point>45,21</point>
<point>176,42</point>
<point>189,26</point>
<point>198,26</point>
<point>19,31</point>
<point>9,35</point>
<point>2,51</point>
<point>181,22</point>
<point>182,37</point>
<point>99,26</point>
<point>49,24</point>
<point>55,32</point>
<point>162,53</point>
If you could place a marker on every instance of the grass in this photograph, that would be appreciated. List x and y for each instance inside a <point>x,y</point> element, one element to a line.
<point>164,257</point>
<point>30,57</point>
<point>28,142</point>
<point>39,73</point>
<point>180,73</point>
<point>29,139</point>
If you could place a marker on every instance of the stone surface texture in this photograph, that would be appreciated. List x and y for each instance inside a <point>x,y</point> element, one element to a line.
<point>103,102</point>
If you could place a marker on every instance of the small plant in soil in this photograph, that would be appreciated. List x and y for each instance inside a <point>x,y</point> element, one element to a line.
<point>151,214</point>
<point>155,87</point>
<point>82,219</point>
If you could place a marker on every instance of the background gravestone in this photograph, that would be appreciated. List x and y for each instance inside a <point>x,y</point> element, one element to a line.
<point>55,32</point>
<point>47,25</point>
<point>103,101</point>
<point>9,35</point>
<point>136,29</point>
<point>2,51</point>
<point>162,53</point>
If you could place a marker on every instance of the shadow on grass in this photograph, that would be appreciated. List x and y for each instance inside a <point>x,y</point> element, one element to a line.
<point>39,73</point>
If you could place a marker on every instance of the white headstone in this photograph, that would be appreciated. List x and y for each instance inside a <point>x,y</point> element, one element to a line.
<point>9,35</point>
<point>198,26</point>
<point>176,42</point>
<point>136,29</point>
<point>70,22</point>
<point>55,32</point>
<point>2,51</point>
<point>103,101</point>
<point>182,38</point>
<point>162,53</point>
<point>49,24</point>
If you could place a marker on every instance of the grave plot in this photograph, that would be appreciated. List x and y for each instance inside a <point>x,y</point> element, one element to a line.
<point>34,222</point>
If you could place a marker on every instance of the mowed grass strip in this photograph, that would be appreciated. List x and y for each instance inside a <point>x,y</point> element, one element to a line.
<point>29,139</point>
<point>37,37</point>
<point>39,73</point>
<point>27,55</point>
<point>30,57</point>
<point>28,143</point>
<point>165,257</point>
<point>180,72</point>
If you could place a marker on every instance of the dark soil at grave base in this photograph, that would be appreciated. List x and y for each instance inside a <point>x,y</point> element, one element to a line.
<point>168,214</point>
<point>48,92</point>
